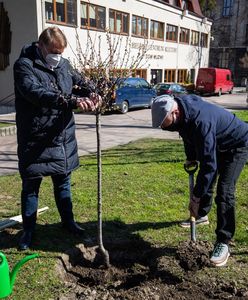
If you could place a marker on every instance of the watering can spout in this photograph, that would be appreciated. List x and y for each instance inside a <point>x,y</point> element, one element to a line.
<point>18,266</point>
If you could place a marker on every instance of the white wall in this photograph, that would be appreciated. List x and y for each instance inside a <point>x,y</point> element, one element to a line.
<point>27,23</point>
<point>163,55</point>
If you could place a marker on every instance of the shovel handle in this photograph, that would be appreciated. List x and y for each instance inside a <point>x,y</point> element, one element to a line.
<point>192,229</point>
<point>191,168</point>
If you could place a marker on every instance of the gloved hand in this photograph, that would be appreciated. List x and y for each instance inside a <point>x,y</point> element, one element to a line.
<point>194,206</point>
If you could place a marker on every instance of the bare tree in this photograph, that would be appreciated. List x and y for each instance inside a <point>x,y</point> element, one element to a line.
<point>102,73</point>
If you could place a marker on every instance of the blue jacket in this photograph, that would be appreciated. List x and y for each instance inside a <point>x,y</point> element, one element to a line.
<point>206,129</point>
<point>45,126</point>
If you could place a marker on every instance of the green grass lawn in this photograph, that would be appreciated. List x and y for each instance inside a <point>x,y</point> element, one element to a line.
<point>145,195</point>
<point>5,124</point>
<point>242,114</point>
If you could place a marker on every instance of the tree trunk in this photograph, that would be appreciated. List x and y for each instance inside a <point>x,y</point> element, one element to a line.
<point>99,189</point>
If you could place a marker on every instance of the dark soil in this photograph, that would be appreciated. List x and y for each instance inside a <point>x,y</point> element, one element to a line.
<point>141,271</point>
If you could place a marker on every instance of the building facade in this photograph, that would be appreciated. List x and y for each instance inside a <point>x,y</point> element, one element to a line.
<point>175,33</point>
<point>229,42</point>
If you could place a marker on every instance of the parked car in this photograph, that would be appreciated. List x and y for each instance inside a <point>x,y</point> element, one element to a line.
<point>169,89</point>
<point>131,93</point>
<point>214,81</point>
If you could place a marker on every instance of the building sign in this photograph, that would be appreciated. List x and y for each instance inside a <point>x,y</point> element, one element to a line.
<point>154,47</point>
<point>170,49</point>
<point>154,56</point>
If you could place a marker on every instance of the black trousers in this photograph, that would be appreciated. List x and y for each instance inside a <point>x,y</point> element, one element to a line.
<point>230,165</point>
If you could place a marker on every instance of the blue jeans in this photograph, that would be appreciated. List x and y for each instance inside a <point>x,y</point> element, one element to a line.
<point>30,196</point>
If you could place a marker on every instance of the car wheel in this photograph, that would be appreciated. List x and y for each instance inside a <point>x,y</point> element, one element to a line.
<point>231,91</point>
<point>124,107</point>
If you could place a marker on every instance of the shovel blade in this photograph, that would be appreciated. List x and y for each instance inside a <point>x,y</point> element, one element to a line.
<point>192,229</point>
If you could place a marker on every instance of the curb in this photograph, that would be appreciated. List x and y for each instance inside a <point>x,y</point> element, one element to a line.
<point>10,130</point>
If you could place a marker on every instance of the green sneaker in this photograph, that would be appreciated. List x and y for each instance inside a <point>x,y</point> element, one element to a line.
<point>220,254</point>
<point>199,221</point>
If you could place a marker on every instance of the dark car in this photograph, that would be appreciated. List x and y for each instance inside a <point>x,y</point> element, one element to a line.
<point>131,93</point>
<point>169,89</point>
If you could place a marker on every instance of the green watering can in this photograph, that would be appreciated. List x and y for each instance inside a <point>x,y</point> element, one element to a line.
<point>7,279</point>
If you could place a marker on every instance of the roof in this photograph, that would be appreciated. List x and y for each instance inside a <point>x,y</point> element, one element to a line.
<point>191,5</point>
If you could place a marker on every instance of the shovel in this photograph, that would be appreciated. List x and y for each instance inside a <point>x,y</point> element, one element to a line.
<point>191,169</point>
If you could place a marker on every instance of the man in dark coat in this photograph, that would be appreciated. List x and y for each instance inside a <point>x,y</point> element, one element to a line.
<point>218,140</point>
<point>45,123</point>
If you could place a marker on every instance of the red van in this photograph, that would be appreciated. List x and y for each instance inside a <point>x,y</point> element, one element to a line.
<point>214,81</point>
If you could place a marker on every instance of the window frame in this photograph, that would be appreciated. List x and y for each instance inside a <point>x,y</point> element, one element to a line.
<point>169,74</point>
<point>156,38</point>
<point>227,8</point>
<point>88,25</point>
<point>195,38</point>
<point>122,14</point>
<point>204,40</point>
<point>184,34</point>
<point>182,75</point>
<point>224,60</point>
<point>143,33</point>
<point>169,33</point>
<point>65,11</point>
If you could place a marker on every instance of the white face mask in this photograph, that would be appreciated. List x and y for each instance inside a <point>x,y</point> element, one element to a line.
<point>53,59</point>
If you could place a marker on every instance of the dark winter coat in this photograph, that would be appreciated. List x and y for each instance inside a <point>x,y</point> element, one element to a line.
<point>45,125</point>
<point>206,129</point>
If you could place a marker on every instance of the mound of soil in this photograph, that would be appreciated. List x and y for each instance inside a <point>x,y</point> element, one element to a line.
<point>140,271</point>
<point>194,255</point>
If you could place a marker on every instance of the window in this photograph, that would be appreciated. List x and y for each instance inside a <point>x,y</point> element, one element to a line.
<point>144,84</point>
<point>157,30</point>
<point>227,8</point>
<point>204,40</point>
<point>184,35</point>
<point>61,11</point>
<point>93,16</point>
<point>171,33</point>
<point>118,22</point>
<point>182,75</point>
<point>132,82</point>
<point>195,38</point>
<point>223,60</point>
<point>169,75</point>
<point>139,26</point>
<point>118,73</point>
<point>175,3</point>
<point>142,73</point>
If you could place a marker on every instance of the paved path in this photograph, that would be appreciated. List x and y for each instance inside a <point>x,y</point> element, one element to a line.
<point>116,129</point>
